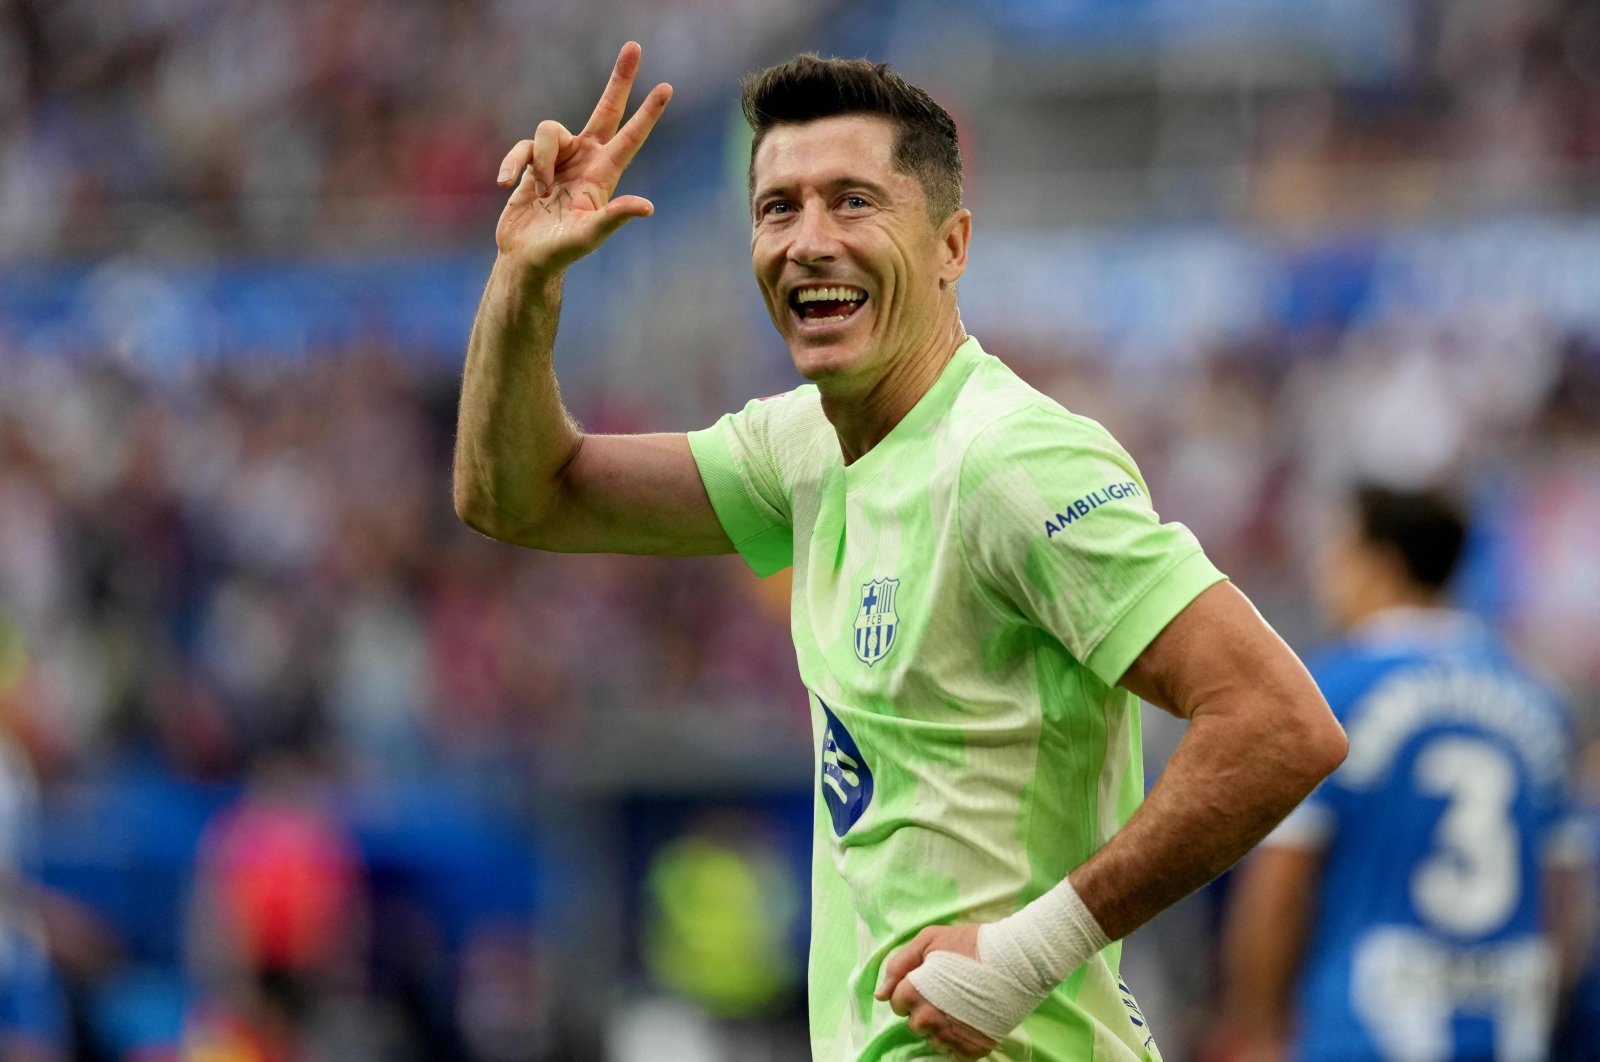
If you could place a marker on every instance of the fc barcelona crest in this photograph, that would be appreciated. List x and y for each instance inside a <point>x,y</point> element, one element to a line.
<point>876,620</point>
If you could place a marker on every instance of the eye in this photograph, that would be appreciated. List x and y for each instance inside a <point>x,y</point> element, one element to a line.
<point>776,206</point>
<point>856,202</point>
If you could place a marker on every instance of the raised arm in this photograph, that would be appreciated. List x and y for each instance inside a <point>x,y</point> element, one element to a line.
<point>524,471</point>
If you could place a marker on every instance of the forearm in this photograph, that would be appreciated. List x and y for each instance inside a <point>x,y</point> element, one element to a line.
<point>1212,805</point>
<point>513,436</point>
<point>1568,889</point>
<point>1231,780</point>
<point>1271,907</point>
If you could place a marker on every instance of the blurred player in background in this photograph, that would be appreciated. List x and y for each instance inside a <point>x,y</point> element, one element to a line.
<point>1424,904</point>
<point>981,584</point>
<point>33,1013</point>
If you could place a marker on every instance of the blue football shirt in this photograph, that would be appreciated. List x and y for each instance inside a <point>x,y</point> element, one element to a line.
<point>1426,945</point>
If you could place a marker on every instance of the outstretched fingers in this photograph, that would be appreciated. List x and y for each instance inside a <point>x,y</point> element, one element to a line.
<point>552,141</point>
<point>631,137</point>
<point>602,124</point>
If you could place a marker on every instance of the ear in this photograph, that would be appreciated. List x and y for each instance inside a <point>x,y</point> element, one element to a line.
<point>954,236</point>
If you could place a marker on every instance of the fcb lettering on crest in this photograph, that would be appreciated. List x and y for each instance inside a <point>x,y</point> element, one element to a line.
<point>876,620</point>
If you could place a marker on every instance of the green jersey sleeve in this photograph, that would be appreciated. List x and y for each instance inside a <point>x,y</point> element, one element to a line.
<point>1056,524</point>
<point>742,467</point>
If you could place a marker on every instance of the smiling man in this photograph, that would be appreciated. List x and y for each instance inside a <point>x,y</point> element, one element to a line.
<point>982,590</point>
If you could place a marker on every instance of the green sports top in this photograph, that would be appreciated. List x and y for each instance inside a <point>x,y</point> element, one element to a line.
<point>966,596</point>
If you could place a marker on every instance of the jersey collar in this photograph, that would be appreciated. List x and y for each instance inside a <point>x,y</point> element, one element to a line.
<point>1416,624</point>
<point>915,426</point>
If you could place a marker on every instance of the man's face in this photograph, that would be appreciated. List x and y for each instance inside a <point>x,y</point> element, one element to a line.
<point>850,265</point>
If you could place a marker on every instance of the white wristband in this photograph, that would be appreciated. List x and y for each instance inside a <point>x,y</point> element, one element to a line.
<point>1021,960</point>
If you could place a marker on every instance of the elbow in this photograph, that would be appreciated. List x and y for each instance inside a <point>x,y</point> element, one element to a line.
<point>482,515</point>
<point>471,510</point>
<point>1321,746</point>
<point>520,510</point>
<point>474,518</point>
<point>1332,747</point>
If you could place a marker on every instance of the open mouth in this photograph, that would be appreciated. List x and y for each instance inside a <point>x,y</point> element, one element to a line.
<point>825,305</point>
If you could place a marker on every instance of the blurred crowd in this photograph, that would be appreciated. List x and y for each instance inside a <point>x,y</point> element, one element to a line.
<point>1488,106</point>
<point>275,549</point>
<point>193,125</point>
<point>189,125</point>
<point>294,766</point>
<point>256,667</point>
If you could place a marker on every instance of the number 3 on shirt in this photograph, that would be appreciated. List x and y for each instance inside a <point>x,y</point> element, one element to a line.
<point>1471,883</point>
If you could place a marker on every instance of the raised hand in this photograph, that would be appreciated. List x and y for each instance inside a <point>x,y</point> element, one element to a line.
<point>561,207</point>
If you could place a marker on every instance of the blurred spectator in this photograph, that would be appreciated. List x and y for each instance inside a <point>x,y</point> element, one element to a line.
<point>277,923</point>
<point>33,1012</point>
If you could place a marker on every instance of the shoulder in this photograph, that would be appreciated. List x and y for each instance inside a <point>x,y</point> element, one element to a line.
<point>782,427</point>
<point>798,409</point>
<point>1029,467</point>
<point>1000,422</point>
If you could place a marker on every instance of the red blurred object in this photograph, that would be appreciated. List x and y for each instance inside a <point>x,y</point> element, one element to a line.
<point>288,881</point>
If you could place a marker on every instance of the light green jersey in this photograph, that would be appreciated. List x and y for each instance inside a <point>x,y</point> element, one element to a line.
<point>966,596</point>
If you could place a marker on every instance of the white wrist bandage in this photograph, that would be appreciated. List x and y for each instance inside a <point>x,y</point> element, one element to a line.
<point>1021,959</point>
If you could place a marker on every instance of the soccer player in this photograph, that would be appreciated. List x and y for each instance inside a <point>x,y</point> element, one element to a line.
<point>1422,881</point>
<point>981,586</point>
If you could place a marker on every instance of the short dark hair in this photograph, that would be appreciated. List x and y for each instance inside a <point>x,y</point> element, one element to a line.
<point>1426,529</point>
<point>809,87</point>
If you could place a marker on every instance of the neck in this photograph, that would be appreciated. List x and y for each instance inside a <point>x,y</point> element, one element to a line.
<point>1393,598</point>
<point>863,413</point>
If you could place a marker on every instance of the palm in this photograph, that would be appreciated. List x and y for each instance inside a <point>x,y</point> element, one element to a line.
<point>583,180</point>
<point>562,206</point>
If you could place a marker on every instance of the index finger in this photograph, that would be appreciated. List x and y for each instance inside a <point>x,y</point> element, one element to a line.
<point>602,124</point>
<point>906,996</point>
<point>901,963</point>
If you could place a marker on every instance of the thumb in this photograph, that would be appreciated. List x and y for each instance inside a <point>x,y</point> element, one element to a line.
<point>903,962</point>
<point>621,210</point>
<point>634,206</point>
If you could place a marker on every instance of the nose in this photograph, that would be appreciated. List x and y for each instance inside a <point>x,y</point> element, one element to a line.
<point>816,236</point>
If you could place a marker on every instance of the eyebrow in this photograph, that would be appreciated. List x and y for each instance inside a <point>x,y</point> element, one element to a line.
<point>834,184</point>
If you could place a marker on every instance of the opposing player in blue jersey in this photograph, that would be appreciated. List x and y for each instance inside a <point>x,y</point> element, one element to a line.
<point>1415,908</point>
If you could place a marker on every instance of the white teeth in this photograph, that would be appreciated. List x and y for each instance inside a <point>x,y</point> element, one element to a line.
<point>805,295</point>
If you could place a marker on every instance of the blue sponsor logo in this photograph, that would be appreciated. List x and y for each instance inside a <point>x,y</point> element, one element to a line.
<point>876,620</point>
<point>1059,522</point>
<point>846,778</point>
<point>1135,1015</point>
